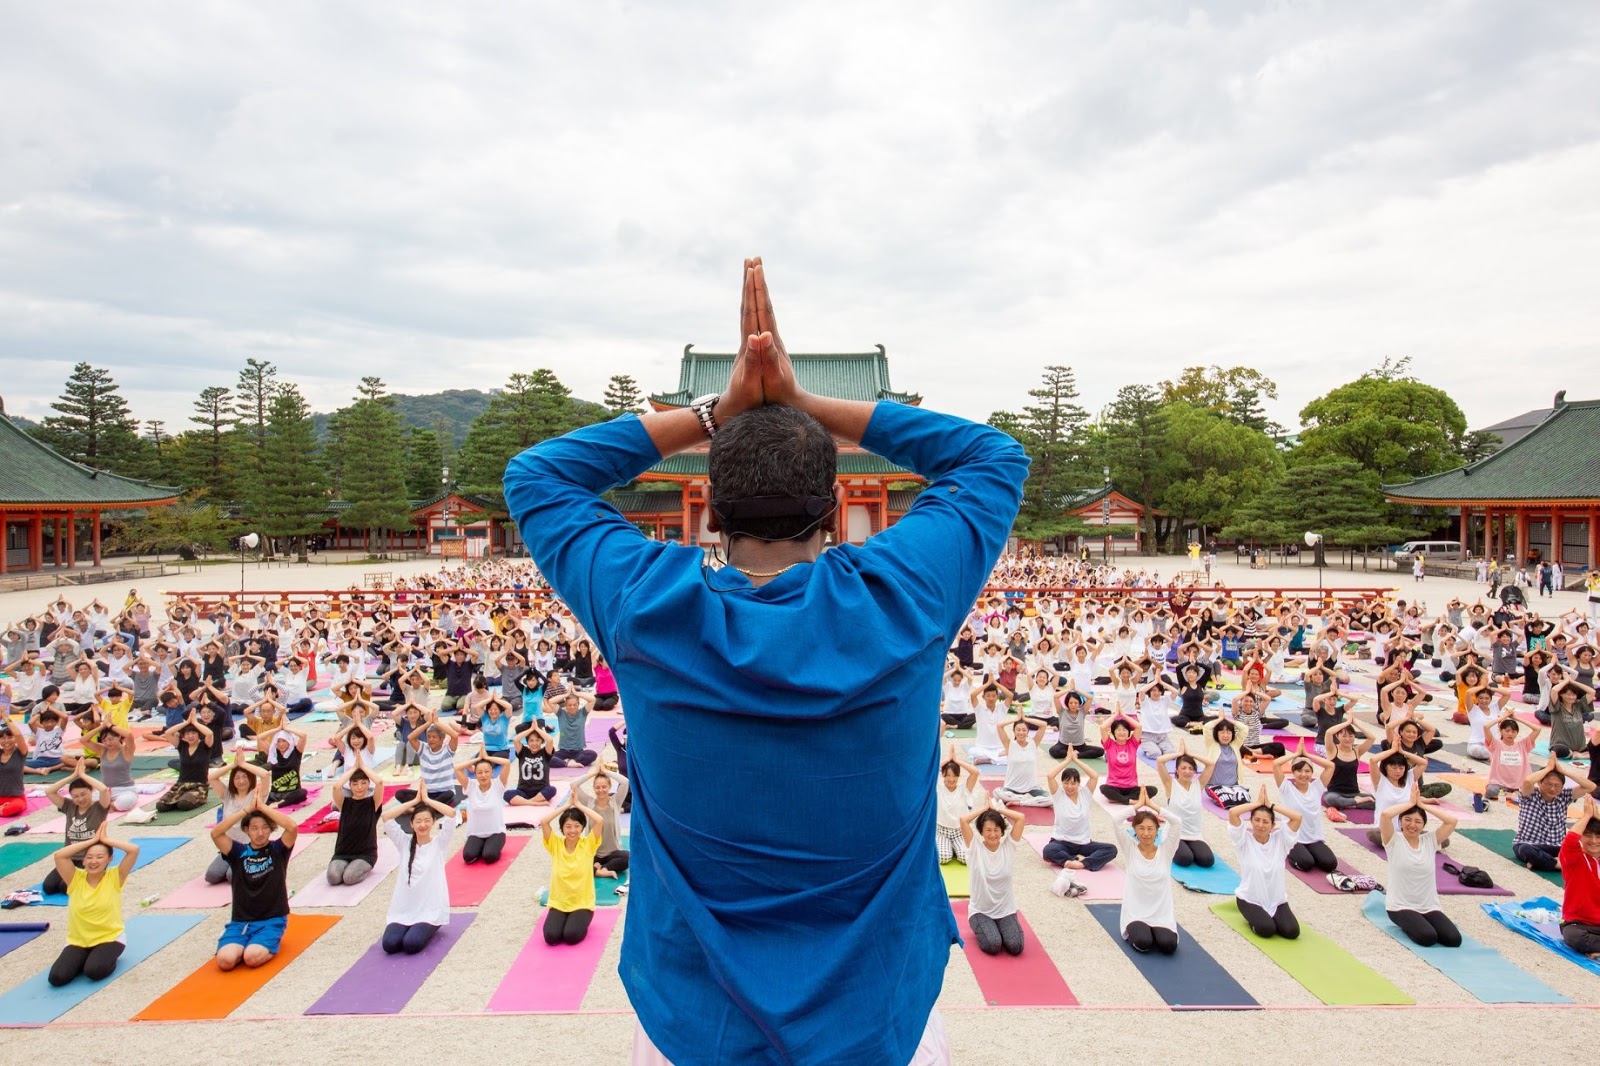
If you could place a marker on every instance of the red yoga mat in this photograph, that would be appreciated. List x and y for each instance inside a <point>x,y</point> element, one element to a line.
<point>471,884</point>
<point>1027,980</point>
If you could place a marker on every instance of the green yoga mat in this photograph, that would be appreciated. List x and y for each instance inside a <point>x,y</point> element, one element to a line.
<point>179,817</point>
<point>1499,842</point>
<point>1327,971</point>
<point>14,857</point>
<point>957,880</point>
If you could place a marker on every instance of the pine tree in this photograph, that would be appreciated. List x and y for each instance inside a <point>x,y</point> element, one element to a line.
<point>373,462</point>
<point>291,498</point>
<point>424,463</point>
<point>252,407</point>
<point>1137,452</point>
<point>94,425</point>
<point>1054,438</point>
<point>623,396</point>
<point>531,408</point>
<point>206,455</point>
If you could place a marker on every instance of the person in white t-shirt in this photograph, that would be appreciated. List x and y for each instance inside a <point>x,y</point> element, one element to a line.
<point>991,856</point>
<point>1186,799</point>
<point>1021,787</point>
<point>956,798</point>
<point>1147,920</point>
<point>1262,846</point>
<point>1413,892</point>
<point>991,705</point>
<point>1303,794</point>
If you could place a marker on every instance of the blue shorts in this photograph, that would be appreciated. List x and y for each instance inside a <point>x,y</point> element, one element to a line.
<point>267,934</point>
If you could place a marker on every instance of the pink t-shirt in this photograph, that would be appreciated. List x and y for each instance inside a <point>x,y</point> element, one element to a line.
<point>1508,765</point>
<point>1122,762</point>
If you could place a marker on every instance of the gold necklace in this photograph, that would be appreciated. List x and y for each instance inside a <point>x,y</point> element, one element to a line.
<point>762,573</point>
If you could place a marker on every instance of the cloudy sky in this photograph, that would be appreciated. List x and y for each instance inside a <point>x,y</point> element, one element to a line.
<point>445,194</point>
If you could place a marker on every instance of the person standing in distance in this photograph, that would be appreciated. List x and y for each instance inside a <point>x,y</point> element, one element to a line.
<point>806,922</point>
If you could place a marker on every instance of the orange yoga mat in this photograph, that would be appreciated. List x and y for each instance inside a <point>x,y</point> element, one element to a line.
<point>209,993</point>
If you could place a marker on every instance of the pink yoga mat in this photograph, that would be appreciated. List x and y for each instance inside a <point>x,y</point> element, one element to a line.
<point>380,983</point>
<point>198,895</point>
<point>321,894</point>
<point>555,979</point>
<point>35,803</point>
<point>471,884</point>
<point>1027,980</point>
<point>1447,883</point>
<point>1044,816</point>
<point>1105,883</point>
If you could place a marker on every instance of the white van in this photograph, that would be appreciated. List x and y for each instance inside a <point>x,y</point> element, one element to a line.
<point>1428,549</point>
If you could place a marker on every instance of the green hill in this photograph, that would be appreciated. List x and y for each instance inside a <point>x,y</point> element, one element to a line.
<point>450,412</point>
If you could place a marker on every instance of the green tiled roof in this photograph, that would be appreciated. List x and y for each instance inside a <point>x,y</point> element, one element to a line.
<point>843,376</point>
<point>1559,459</point>
<point>851,464</point>
<point>33,473</point>
<point>900,500</point>
<point>647,502</point>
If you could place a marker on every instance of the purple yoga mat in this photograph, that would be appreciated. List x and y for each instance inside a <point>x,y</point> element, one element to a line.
<point>1317,881</point>
<point>1447,883</point>
<point>383,984</point>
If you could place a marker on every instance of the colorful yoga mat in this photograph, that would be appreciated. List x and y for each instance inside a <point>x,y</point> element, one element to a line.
<point>1188,979</point>
<point>554,979</point>
<point>1480,970</point>
<point>208,993</point>
<point>471,883</point>
<point>1499,841</point>
<point>36,1001</point>
<point>1325,969</point>
<point>1027,980</point>
<point>380,983</point>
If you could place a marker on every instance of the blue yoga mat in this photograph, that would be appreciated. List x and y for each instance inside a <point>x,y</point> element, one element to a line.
<point>1480,970</point>
<point>1548,933</point>
<point>15,934</point>
<point>150,849</point>
<point>35,1002</point>
<point>1189,978</point>
<point>1220,880</point>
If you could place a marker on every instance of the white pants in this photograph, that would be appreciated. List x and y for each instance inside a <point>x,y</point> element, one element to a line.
<point>934,1050</point>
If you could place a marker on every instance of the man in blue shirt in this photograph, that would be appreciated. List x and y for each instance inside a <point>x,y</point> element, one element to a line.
<point>783,731</point>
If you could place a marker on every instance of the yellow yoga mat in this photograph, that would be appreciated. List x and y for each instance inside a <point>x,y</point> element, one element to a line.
<point>957,880</point>
<point>1327,970</point>
<point>209,993</point>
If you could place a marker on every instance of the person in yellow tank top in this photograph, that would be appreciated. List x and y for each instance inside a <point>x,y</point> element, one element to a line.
<point>94,907</point>
<point>572,853</point>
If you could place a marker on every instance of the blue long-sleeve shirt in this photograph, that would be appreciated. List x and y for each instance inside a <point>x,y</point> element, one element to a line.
<point>786,904</point>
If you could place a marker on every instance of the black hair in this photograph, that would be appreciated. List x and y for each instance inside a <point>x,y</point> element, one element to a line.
<point>1415,809</point>
<point>244,823</point>
<point>991,817</point>
<point>950,767</point>
<point>1189,759</point>
<point>1393,760</point>
<point>572,815</point>
<point>772,451</point>
<point>1071,774</point>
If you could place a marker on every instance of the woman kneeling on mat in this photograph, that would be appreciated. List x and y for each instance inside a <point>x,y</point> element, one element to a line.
<point>1262,847</point>
<point>1185,801</point>
<point>259,874</point>
<point>1221,776</point>
<point>485,808</point>
<point>94,907</point>
<point>1303,795</point>
<point>571,871</point>
<point>1147,919</point>
<point>992,910</point>
<point>1413,901</point>
<point>355,846</point>
<point>421,900</point>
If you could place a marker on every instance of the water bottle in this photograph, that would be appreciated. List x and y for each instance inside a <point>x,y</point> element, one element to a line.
<point>148,900</point>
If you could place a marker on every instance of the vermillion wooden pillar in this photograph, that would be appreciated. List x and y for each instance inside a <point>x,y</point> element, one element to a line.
<point>56,538</point>
<point>5,543</point>
<point>96,536</point>
<point>36,542</point>
<point>1488,532</point>
<point>1522,536</point>
<point>1466,534</point>
<point>1556,518</point>
<point>72,539</point>
<point>685,500</point>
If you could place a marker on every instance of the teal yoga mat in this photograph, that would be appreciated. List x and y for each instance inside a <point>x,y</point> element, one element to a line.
<point>18,856</point>
<point>1189,979</point>
<point>35,1002</point>
<point>1499,842</point>
<point>150,849</point>
<point>1219,880</point>
<point>1480,970</point>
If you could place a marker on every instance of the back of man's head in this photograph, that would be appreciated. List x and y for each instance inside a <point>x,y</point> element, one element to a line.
<point>767,453</point>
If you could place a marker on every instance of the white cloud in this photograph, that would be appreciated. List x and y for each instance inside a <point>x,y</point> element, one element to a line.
<point>443,195</point>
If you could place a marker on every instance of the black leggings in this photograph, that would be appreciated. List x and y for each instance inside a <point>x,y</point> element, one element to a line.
<point>1137,794</point>
<point>53,885</point>
<point>1427,928</point>
<point>487,849</point>
<point>566,927</point>
<point>615,861</point>
<point>1085,751</point>
<point>1142,937</point>
<point>408,939</point>
<point>1280,922</point>
<point>1194,853</point>
<point>1304,856</point>
<point>95,963</point>
<point>959,721</point>
<point>1266,747</point>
